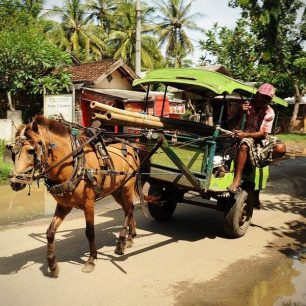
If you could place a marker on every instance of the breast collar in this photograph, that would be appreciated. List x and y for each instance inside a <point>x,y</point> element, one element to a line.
<point>77,174</point>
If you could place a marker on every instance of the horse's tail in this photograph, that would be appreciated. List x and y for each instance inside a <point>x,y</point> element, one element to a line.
<point>143,176</point>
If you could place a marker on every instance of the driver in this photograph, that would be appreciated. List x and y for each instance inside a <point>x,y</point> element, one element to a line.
<point>255,140</point>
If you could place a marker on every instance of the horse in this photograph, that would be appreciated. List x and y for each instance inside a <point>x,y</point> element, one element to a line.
<point>76,178</point>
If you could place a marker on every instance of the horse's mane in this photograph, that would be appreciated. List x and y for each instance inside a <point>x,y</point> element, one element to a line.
<point>19,129</point>
<point>52,125</point>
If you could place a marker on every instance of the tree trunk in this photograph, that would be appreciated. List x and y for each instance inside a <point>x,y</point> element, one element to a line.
<point>298,99</point>
<point>10,101</point>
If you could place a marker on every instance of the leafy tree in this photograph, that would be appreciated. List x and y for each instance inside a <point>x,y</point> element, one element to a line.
<point>76,33</point>
<point>27,62</point>
<point>103,12</point>
<point>173,20</point>
<point>235,49</point>
<point>122,40</point>
<point>276,25</point>
<point>12,13</point>
<point>33,7</point>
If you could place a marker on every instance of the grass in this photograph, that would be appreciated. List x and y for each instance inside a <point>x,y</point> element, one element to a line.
<point>292,137</point>
<point>185,154</point>
<point>5,168</point>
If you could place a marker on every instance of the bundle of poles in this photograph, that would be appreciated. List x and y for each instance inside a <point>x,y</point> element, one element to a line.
<point>115,116</point>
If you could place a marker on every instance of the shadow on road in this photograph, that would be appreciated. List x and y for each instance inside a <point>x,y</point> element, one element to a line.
<point>188,223</point>
<point>288,185</point>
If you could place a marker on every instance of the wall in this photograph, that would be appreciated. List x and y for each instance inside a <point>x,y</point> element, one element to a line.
<point>7,130</point>
<point>8,126</point>
<point>117,82</point>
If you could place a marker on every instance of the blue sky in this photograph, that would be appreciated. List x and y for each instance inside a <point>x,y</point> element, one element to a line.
<point>212,11</point>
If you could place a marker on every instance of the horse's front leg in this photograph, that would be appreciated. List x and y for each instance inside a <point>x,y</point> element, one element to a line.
<point>90,234</point>
<point>59,215</point>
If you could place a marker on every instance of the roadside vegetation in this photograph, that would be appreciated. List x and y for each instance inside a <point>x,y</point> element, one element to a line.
<point>292,137</point>
<point>5,168</point>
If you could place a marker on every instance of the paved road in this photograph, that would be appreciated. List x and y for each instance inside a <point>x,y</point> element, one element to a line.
<point>186,261</point>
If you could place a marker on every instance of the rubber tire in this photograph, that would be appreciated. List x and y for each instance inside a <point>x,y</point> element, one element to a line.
<point>238,215</point>
<point>164,209</point>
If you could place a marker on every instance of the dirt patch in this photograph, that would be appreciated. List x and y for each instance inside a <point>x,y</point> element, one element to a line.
<point>254,281</point>
<point>296,147</point>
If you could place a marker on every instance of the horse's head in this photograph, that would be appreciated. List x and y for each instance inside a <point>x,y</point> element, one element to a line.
<point>34,144</point>
<point>26,154</point>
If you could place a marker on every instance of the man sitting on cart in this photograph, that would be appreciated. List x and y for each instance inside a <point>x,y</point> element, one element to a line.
<point>255,140</point>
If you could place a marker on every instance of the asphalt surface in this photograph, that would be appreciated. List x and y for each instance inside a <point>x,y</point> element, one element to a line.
<point>185,261</point>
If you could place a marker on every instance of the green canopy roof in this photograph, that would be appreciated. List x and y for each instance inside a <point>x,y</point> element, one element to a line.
<point>199,81</point>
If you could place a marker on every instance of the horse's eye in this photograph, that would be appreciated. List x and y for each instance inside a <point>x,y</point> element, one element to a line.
<point>31,151</point>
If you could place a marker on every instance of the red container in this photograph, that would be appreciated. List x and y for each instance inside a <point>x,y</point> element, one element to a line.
<point>159,104</point>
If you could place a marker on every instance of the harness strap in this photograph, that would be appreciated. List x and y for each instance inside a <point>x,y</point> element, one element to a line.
<point>74,152</point>
<point>75,178</point>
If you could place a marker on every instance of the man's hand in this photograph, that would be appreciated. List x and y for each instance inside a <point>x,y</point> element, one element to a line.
<point>245,106</point>
<point>239,134</point>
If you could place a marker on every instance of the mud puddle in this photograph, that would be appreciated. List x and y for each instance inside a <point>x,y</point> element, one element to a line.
<point>18,207</point>
<point>277,281</point>
<point>285,287</point>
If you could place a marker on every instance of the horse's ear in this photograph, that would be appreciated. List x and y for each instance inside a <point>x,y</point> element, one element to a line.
<point>34,127</point>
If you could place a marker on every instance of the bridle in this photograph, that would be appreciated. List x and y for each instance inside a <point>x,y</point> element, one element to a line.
<point>39,152</point>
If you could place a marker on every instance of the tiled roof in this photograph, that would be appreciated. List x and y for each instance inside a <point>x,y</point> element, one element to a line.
<point>90,72</point>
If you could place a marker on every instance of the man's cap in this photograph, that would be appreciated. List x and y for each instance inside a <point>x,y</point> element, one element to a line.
<point>267,90</point>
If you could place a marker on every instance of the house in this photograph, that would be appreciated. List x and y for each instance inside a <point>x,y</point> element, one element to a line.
<point>89,78</point>
<point>110,82</point>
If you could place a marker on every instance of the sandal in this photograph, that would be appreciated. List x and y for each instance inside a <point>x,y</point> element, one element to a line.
<point>234,189</point>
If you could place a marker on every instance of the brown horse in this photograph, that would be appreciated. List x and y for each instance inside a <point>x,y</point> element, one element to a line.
<point>77,181</point>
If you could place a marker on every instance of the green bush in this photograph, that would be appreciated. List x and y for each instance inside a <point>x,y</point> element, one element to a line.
<point>5,168</point>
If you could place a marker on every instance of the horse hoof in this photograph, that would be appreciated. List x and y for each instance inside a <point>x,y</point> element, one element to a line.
<point>88,267</point>
<point>129,243</point>
<point>119,250</point>
<point>54,272</point>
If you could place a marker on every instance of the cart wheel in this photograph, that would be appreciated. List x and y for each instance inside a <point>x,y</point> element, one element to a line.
<point>238,215</point>
<point>165,207</point>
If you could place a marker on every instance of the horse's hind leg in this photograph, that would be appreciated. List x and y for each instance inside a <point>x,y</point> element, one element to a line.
<point>90,234</point>
<point>126,202</point>
<point>59,215</point>
<point>132,230</point>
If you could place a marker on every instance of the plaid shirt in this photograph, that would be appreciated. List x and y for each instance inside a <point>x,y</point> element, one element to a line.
<point>259,121</point>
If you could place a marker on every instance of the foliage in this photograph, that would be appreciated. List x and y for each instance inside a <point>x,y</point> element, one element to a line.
<point>277,26</point>
<point>122,39</point>
<point>235,49</point>
<point>103,12</point>
<point>266,45</point>
<point>5,168</point>
<point>76,33</point>
<point>27,60</point>
<point>173,20</point>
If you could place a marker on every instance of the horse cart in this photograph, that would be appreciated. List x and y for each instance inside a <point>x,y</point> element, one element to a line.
<point>191,162</point>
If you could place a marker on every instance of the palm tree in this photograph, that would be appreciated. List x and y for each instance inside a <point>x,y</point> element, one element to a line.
<point>33,7</point>
<point>76,34</point>
<point>122,41</point>
<point>102,11</point>
<point>173,21</point>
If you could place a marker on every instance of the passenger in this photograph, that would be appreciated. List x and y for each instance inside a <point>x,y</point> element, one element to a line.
<point>255,140</point>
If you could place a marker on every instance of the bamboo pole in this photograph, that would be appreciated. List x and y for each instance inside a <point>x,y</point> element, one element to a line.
<point>169,123</point>
<point>108,108</point>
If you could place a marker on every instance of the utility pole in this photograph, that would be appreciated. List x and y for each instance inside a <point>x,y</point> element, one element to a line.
<point>138,38</point>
